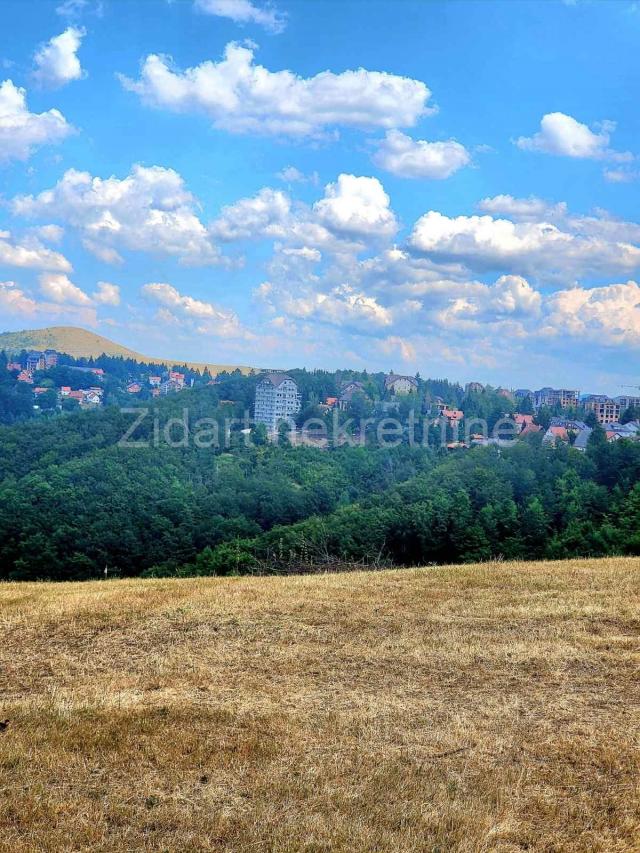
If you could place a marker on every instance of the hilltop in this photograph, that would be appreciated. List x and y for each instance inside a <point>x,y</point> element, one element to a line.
<point>479,707</point>
<point>81,343</point>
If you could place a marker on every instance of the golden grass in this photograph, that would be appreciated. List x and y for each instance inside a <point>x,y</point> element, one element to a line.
<point>473,708</point>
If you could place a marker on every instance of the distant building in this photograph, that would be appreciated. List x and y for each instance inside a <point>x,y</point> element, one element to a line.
<point>35,361</point>
<point>176,377</point>
<point>134,388</point>
<point>25,376</point>
<point>277,399</point>
<point>627,402</point>
<point>348,391</point>
<point>50,358</point>
<point>155,381</point>
<point>453,416</point>
<point>14,365</point>
<point>550,397</point>
<point>170,387</point>
<point>395,384</point>
<point>474,388</point>
<point>606,410</point>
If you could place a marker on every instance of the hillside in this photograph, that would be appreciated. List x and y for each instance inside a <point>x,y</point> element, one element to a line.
<point>81,343</point>
<point>474,708</point>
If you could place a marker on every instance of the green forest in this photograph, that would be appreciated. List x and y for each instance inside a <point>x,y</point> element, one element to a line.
<point>74,504</point>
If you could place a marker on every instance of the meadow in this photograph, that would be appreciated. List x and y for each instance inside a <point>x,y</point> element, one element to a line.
<point>489,707</point>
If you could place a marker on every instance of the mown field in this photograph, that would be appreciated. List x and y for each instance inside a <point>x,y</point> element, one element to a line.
<point>470,708</point>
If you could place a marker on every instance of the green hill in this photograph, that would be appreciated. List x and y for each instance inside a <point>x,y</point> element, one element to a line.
<point>81,343</point>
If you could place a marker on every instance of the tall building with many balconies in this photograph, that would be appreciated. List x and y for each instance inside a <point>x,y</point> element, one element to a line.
<point>277,400</point>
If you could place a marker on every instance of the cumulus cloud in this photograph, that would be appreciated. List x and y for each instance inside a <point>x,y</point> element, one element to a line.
<point>107,293</point>
<point>342,306</point>
<point>207,318</point>
<point>242,97</point>
<point>245,12</point>
<point>30,255</point>
<point>407,158</point>
<point>530,209</point>
<point>564,136</point>
<point>57,62</point>
<point>58,288</point>
<point>21,131</point>
<point>356,207</point>
<point>483,243</point>
<point>292,175</point>
<point>150,210</point>
<point>15,301</point>
<point>603,315</point>
<point>264,215</point>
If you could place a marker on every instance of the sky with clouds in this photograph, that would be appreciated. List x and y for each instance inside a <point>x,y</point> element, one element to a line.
<point>443,187</point>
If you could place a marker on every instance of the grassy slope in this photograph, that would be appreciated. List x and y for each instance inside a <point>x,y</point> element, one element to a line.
<point>81,343</point>
<point>471,708</point>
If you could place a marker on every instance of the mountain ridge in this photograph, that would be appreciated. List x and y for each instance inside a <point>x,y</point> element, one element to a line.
<point>81,343</point>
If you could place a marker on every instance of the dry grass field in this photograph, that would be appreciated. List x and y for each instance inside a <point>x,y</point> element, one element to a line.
<point>473,708</point>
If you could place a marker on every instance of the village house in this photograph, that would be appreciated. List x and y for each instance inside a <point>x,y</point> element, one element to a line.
<point>35,361</point>
<point>348,391</point>
<point>14,365</point>
<point>176,377</point>
<point>25,376</point>
<point>474,388</point>
<point>134,388</point>
<point>155,381</point>
<point>395,384</point>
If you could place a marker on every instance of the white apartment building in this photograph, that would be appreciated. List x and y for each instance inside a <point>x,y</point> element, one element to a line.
<point>277,399</point>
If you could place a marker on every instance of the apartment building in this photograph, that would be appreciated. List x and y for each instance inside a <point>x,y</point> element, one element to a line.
<point>606,410</point>
<point>277,399</point>
<point>550,397</point>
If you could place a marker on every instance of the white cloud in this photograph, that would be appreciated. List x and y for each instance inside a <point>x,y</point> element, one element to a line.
<point>150,210</point>
<point>242,97</point>
<point>207,318</point>
<point>50,233</point>
<point>107,293</point>
<point>56,62</point>
<point>21,131</point>
<point>342,306</point>
<point>30,255</point>
<point>530,209</point>
<point>399,154</point>
<point>621,176</point>
<point>483,243</point>
<point>356,207</point>
<point>245,12</point>
<point>562,135</point>
<point>264,215</point>
<point>292,175</point>
<point>602,315</point>
<point>15,301</point>
<point>58,288</point>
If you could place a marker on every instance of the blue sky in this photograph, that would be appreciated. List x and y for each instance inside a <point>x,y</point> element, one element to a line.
<point>449,187</point>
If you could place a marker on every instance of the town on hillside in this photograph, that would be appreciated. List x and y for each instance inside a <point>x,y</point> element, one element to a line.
<point>45,383</point>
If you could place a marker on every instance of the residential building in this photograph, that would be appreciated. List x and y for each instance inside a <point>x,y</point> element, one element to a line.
<point>550,397</point>
<point>50,358</point>
<point>395,384</point>
<point>14,365</point>
<point>277,399</point>
<point>176,377</point>
<point>155,381</point>
<point>453,416</point>
<point>170,387</point>
<point>25,376</point>
<point>606,410</point>
<point>35,361</point>
<point>134,388</point>
<point>474,388</point>
<point>348,391</point>
<point>627,402</point>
